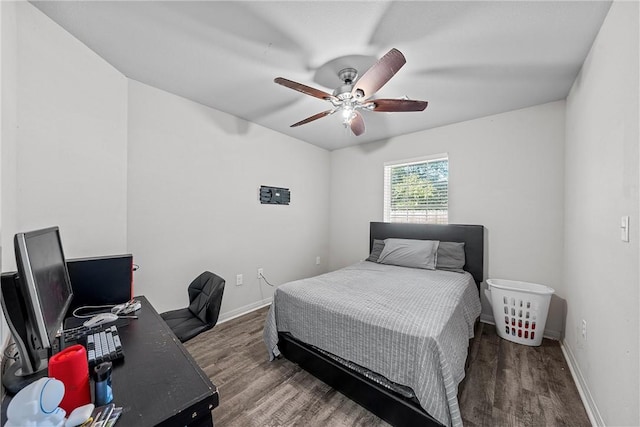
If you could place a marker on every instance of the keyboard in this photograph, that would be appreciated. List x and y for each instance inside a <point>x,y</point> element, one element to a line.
<point>102,343</point>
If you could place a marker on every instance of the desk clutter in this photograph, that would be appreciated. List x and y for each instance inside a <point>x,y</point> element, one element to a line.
<point>102,416</point>
<point>187,400</point>
<point>38,404</point>
<point>67,389</point>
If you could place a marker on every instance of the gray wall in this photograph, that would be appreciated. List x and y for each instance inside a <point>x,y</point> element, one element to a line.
<point>601,271</point>
<point>193,181</point>
<point>65,158</point>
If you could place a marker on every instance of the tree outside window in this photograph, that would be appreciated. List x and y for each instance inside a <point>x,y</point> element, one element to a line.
<point>417,192</point>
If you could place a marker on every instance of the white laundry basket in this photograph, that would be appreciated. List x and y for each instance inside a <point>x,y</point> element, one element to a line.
<point>520,309</point>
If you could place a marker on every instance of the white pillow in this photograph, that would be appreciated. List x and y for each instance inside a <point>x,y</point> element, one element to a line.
<point>410,253</point>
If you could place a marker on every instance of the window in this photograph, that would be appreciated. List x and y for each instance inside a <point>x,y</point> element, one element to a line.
<point>417,190</point>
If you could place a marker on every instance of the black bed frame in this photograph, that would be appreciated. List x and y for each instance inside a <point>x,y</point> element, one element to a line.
<point>390,406</point>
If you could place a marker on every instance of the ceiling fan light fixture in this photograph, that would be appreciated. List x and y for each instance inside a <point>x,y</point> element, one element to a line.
<point>347,114</point>
<point>354,95</point>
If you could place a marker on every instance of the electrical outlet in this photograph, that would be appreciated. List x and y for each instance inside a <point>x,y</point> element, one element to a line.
<point>317,260</point>
<point>260,272</point>
<point>239,280</point>
<point>584,329</point>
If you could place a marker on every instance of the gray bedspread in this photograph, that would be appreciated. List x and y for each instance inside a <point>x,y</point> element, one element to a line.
<point>410,325</point>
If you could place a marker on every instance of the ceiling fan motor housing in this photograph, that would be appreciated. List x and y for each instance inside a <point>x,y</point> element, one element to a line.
<point>348,76</point>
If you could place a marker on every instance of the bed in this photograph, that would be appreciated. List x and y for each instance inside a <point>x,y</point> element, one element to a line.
<point>393,339</point>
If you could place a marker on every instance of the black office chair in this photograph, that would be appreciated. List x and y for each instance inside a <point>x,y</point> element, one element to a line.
<point>205,298</point>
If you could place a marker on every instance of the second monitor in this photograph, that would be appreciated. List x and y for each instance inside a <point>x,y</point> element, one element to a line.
<point>105,280</point>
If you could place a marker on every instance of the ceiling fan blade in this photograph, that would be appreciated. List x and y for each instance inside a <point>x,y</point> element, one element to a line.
<point>392,105</point>
<point>379,74</point>
<point>312,118</point>
<point>357,124</point>
<point>308,90</point>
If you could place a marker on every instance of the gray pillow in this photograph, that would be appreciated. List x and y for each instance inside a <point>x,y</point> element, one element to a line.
<point>410,253</point>
<point>378,245</point>
<point>450,256</point>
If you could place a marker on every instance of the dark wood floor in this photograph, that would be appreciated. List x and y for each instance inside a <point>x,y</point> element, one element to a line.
<point>506,384</point>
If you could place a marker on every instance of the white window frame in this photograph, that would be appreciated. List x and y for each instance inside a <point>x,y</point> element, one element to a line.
<point>406,162</point>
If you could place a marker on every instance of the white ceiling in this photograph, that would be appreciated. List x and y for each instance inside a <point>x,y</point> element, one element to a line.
<point>468,59</point>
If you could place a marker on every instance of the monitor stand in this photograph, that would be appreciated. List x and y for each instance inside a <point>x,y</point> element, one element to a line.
<point>13,381</point>
<point>31,364</point>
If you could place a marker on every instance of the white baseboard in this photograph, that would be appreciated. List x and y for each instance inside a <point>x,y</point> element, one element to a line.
<point>583,388</point>
<point>552,335</point>
<point>230,315</point>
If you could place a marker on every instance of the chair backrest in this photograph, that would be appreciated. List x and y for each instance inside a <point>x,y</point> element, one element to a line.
<point>205,297</point>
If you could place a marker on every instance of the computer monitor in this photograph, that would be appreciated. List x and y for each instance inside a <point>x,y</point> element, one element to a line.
<point>102,280</point>
<point>35,301</point>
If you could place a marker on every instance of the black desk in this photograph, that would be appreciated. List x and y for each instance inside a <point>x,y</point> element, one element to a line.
<point>158,382</point>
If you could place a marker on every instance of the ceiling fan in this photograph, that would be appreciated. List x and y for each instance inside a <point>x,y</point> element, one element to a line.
<point>355,95</point>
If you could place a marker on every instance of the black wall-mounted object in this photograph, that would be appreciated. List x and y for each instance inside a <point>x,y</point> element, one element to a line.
<point>274,195</point>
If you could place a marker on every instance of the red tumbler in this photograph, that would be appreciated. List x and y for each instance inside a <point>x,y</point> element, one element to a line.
<point>71,367</point>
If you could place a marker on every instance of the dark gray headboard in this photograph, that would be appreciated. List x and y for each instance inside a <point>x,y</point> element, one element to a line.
<point>471,235</point>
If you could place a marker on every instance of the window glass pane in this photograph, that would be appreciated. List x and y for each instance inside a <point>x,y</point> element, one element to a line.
<point>417,192</point>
